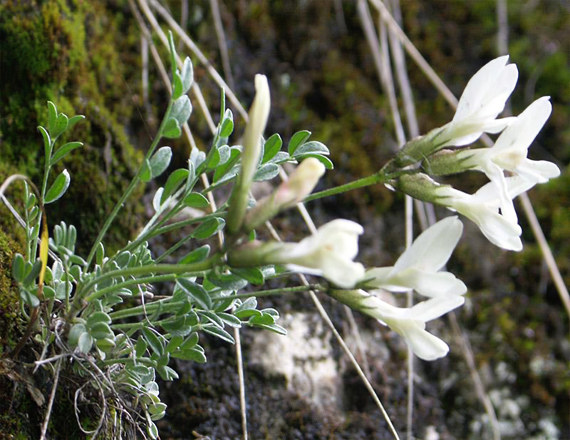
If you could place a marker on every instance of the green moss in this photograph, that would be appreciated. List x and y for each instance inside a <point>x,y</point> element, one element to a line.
<point>72,53</point>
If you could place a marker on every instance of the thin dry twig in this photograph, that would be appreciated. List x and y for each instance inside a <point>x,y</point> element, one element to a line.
<point>463,341</point>
<point>222,43</point>
<point>51,400</point>
<point>414,53</point>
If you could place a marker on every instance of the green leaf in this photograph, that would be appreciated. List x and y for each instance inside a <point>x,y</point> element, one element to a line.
<point>32,272</point>
<point>324,160</point>
<point>181,109</point>
<point>229,319</point>
<point>191,355</point>
<point>52,116</point>
<point>49,292</point>
<point>101,330</point>
<point>312,147</point>
<point>227,281</point>
<point>196,200</point>
<point>105,344</point>
<point>140,347</point>
<point>177,87</point>
<point>173,182</point>
<point>74,120</point>
<point>187,75</point>
<point>274,328</point>
<point>208,228</point>
<point>227,124</point>
<point>190,342</point>
<point>100,254</point>
<point>174,343</point>
<point>253,275</point>
<point>223,169</point>
<point>247,313</point>
<point>85,342</point>
<point>212,317</point>
<point>297,140</point>
<point>171,128</point>
<point>60,126</point>
<point>196,255</point>
<point>153,341</point>
<point>160,161</point>
<point>224,153</point>
<point>271,147</point>
<point>62,290</point>
<point>178,327</point>
<point>196,292</point>
<point>197,158</point>
<point>280,158</point>
<point>218,332</point>
<point>146,172</point>
<point>263,319</point>
<point>47,142</point>
<point>166,373</point>
<point>64,150</point>
<point>266,172</point>
<point>97,317</point>
<point>152,430</point>
<point>248,304</point>
<point>75,332</point>
<point>58,187</point>
<point>19,268</point>
<point>29,298</point>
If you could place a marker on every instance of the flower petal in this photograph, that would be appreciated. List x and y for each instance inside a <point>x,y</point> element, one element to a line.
<point>433,247</point>
<point>424,345</point>
<point>487,91</point>
<point>430,284</point>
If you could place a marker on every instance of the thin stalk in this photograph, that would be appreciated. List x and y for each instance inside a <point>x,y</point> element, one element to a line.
<point>146,270</point>
<point>374,179</point>
<point>135,281</point>
<point>165,304</point>
<point>134,271</point>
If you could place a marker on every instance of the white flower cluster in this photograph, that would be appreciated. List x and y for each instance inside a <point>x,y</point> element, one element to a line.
<point>330,252</point>
<point>491,208</point>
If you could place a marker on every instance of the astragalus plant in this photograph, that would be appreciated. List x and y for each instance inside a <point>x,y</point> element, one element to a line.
<point>100,314</point>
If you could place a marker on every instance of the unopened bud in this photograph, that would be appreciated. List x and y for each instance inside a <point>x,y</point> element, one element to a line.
<point>301,183</point>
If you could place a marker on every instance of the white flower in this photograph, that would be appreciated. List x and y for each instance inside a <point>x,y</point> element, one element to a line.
<point>409,322</point>
<point>485,207</point>
<point>328,253</point>
<point>418,267</point>
<point>510,151</point>
<point>482,100</point>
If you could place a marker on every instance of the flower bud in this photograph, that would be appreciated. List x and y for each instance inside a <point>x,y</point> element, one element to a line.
<point>292,191</point>
<point>258,114</point>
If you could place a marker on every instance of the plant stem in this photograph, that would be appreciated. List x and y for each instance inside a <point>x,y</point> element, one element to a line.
<point>273,292</point>
<point>376,178</point>
<point>149,269</point>
<point>168,269</point>
<point>132,282</point>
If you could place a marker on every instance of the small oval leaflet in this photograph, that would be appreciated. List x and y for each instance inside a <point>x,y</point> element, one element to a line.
<point>58,187</point>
